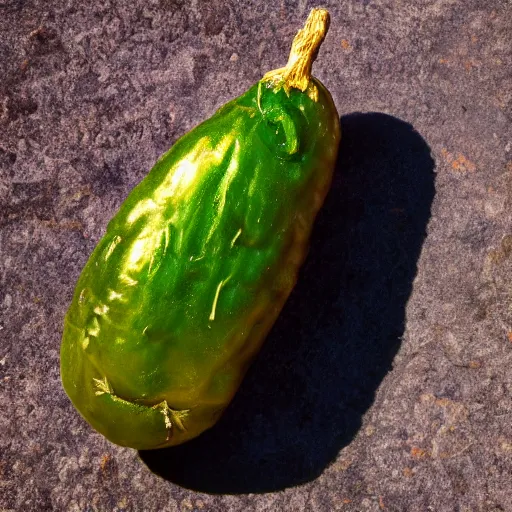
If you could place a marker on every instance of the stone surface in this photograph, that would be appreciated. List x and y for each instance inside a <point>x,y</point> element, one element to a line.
<point>386,383</point>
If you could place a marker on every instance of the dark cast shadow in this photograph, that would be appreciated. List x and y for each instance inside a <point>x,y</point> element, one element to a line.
<point>303,399</point>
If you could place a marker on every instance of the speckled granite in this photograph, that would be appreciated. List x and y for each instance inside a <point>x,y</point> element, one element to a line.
<point>386,383</point>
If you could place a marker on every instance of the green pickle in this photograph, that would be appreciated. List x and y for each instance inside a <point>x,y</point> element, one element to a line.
<point>180,293</point>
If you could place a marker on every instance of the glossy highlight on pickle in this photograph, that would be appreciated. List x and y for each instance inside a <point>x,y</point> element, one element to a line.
<point>180,293</point>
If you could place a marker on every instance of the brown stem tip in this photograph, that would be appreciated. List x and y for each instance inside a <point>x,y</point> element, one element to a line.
<point>297,72</point>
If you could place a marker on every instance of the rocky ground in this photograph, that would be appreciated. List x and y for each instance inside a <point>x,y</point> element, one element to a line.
<point>386,382</point>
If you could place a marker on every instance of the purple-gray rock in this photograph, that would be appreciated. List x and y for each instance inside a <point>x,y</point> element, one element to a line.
<point>385,384</point>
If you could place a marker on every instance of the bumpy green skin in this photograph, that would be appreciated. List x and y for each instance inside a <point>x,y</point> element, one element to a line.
<point>193,270</point>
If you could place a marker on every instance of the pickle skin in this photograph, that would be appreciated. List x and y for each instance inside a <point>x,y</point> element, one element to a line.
<point>179,295</point>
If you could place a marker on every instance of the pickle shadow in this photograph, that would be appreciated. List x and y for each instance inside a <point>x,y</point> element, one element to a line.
<point>303,399</point>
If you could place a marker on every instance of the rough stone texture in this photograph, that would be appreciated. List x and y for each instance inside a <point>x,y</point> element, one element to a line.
<point>386,383</point>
